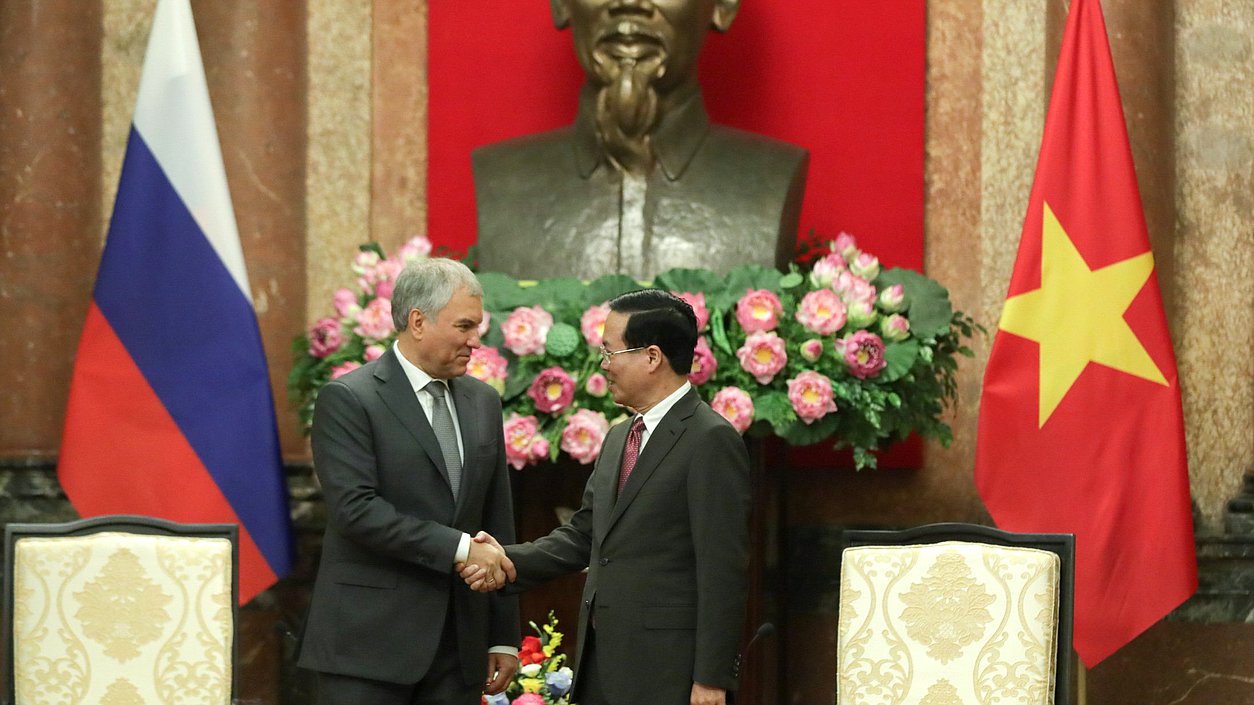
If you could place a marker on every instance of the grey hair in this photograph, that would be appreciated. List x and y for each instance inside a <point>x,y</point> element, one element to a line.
<point>427,285</point>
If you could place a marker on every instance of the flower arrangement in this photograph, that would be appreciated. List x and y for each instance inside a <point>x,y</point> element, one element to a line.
<point>542,677</point>
<point>836,348</point>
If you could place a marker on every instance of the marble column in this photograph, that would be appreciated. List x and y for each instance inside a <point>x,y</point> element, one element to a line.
<point>398,193</point>
<point>49,210</point>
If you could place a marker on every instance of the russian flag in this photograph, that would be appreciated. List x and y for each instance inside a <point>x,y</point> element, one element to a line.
<point>170,412</point>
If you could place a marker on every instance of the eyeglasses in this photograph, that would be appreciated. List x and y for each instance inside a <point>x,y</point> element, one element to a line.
<point>606,355</point>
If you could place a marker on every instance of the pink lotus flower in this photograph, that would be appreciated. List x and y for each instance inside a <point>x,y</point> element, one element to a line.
<point>697,302</point>
<point>827,269</point>
<point>763,356</point>
<point>812,350</point>
<point>341,370</point>
<point>821,311</point>
<point>523,441</point>
<point>585,430</point>
<point>487,365</point>
<point>811,396</point>
<point>597,385</point>
<point>485,324</point>
<point>703,363</point>
<point>525,330</point>
<point>860,314</point>
<point>384,277</point>
<point>365,261</point>
<point>895,327</point>
<point>758,310</point>
<point>592,324</point>
<point>346,305</point>
<point>539,448</point>
<point>325,337</point>
<point>853,289</point>
<point>735,405</point>
<point>846,245</point>
<point>374,323</point>
<point>416,248</point>
<point>863,353</point>
<point>865,265</point>
<point>374,352</point>
<point>552,390</point>
<point>892,299</point>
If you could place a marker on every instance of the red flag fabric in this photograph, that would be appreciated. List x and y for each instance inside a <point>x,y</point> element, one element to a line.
<point>1081,429</point>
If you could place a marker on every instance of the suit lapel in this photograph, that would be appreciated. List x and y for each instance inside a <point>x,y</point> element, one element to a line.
<point>661,440</point>
<point>398,395</point>
<point>606,477</point>
<point>467,425</point>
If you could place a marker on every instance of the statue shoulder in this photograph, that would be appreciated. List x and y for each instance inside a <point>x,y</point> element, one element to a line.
<point>536,148</point>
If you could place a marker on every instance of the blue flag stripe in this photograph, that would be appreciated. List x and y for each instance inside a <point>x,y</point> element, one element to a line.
<point>194,335</point>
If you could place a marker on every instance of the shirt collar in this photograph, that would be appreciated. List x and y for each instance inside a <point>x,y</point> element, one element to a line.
<point>417,378</point>
<point>654,416</point>
<point>675,140</point>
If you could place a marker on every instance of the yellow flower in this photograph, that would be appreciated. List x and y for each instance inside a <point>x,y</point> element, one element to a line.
<point>532,685</point>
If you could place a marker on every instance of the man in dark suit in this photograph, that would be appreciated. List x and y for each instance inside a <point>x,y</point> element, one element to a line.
<point>663,527</point>
<point>410,455</point>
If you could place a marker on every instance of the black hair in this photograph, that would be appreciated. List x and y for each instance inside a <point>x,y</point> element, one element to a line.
<point>656,317</point>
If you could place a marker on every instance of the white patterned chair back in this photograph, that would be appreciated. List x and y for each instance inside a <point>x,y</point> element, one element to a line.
<point>949,623</point>
<point>121,618</point>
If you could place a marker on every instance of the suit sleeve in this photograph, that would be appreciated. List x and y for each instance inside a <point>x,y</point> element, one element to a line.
<point>498,520</point>
<point>718,506</point>
<point>344,459</point>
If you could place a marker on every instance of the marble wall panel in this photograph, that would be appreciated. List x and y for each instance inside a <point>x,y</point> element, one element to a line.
<point>49,210</point>
<point>339,137</point>
<point>1215,244</point>
<point>398,195</point>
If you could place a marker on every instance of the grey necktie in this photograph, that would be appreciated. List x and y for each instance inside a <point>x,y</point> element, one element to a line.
<point>442,424</point>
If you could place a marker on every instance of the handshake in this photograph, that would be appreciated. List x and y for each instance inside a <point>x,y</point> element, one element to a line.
<point>487,568</point>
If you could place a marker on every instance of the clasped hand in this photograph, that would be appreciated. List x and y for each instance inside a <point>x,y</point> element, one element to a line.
<point>487,568</point>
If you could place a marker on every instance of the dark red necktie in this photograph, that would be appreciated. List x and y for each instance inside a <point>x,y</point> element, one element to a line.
<point>634,435</point>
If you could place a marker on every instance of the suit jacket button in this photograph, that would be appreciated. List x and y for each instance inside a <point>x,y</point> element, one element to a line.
<point>605,561</point>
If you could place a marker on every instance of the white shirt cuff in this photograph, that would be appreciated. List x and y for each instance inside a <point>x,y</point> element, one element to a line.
<point>512,651</point>
<point>463,549</point>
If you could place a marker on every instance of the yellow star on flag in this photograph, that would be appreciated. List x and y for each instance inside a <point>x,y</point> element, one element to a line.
<point>1077,316</point>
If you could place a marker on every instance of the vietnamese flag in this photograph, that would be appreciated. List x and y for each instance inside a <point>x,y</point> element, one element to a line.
<point>1081,429</point>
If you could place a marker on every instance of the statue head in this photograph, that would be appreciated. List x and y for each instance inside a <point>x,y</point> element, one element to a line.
<point>641,55</point>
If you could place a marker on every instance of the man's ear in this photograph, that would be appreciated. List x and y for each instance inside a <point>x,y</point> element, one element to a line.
<point>724,12</point>
<point>416,319</point>
<point>561,15</point>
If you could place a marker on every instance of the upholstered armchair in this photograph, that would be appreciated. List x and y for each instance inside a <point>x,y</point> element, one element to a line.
<point>120,610</point>
<point>951,614</point>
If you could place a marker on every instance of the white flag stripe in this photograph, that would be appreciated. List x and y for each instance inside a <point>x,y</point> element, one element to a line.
<point>187,147</point>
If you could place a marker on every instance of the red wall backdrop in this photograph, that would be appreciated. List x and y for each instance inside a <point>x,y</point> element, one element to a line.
<point>843,78</point>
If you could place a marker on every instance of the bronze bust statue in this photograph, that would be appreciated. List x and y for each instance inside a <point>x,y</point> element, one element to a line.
<point>642,181</point>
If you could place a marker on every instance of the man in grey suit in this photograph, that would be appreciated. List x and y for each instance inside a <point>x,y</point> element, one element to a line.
<point>410,455</point>
<point>663,527</point>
